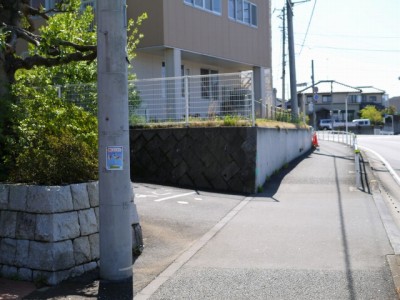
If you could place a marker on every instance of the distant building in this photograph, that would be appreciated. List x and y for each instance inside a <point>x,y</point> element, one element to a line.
<point>394,101</point>
<point>329,100</point>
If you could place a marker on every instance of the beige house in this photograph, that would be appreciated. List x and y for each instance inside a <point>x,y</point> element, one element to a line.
<point>201,37</point>
<point>330,98</point>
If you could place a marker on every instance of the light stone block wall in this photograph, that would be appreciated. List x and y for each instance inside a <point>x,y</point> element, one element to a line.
<point>48,233</point>
<point>277,147</point>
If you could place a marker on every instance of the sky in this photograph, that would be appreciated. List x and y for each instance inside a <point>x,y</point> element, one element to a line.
<point>355,42</point>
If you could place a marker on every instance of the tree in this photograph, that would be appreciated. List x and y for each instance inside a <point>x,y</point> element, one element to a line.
<point>37,128</point>
<point>370,112</point>
<point>16,25</point>
<point>391,110</point>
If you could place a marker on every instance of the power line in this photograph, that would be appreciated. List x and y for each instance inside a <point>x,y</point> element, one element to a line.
<point>352,49</point>
<point>352,36</point>
<point>308,27</point>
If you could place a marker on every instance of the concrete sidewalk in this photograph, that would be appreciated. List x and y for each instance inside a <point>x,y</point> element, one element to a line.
<point>311,235</point>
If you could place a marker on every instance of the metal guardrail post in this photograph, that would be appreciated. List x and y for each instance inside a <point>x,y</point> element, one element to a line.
<point>253,117</point>
<point>357,164</point>
<point>186,81</point>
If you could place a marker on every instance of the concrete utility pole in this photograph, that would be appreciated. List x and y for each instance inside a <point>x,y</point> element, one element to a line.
<point>283,56</point>
<point>314,93</point>
<point>115,190</point>
<point>292,62</point>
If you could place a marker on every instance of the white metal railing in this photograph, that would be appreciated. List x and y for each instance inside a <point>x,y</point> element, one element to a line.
<point>178,99</point>
<point>183,99</point>
<point>348,138</point>
<point>203,97</point>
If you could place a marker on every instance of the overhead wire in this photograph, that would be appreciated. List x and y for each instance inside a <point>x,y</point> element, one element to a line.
<point>308,27</point>
<point>355,49</point>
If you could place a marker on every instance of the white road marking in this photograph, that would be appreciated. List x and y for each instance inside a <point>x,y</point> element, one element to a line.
<point>182,202</point>
<point>162,194</point>
<point>144,196</point>
<point>198,199</point>
<point>386,163</point>
<point>174,196</point>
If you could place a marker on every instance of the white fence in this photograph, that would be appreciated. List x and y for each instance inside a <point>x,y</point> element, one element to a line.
<point>350,139</point>
<point>180,99</point>
<point>184,99</point>
<point>344,137</point>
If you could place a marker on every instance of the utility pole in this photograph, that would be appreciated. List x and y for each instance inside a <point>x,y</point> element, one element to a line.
<point>283,56</point>
<point>292,62</point>
<point>313,93</point>
<point>115,190</point>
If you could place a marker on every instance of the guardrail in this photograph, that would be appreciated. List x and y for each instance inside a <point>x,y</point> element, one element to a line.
<point>347,138</point>
<point>350,139</point>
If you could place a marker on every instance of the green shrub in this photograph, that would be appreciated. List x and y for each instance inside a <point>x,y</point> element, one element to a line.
<point>58,160</point>
<point>55,143</point>
<point>231,120</point>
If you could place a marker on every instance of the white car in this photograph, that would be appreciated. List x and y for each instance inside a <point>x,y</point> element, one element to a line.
<point>325,124</point>
<point>362,122</point>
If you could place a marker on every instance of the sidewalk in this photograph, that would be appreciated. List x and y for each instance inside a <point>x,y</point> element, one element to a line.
<point>315,237</point>
<point>310,235</point>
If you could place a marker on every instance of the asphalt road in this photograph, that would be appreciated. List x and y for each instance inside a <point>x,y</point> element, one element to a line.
<point>388,146</point>
<point>382,155</point>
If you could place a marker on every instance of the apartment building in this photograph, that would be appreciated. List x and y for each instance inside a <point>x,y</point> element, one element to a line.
<point>202,37</point>
<point>330,100</point>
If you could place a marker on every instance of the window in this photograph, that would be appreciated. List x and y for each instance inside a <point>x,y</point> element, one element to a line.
<point>253,15</point>
<point>239,10</point>
<point>243,11</point>
<point>246,12</point>
<point>208,5</point>
<point>352,98</point>
<point>372,98</point>
<point>209,84</point>
<point>326,98</point>
<point>232,9</point>
<point>85,3</point>
<point>46,4</point>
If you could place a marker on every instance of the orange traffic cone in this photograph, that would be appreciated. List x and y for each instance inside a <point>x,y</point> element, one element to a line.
<point>315,140</point>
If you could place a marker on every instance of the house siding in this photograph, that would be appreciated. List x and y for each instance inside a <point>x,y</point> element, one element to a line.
<point>175,24</point>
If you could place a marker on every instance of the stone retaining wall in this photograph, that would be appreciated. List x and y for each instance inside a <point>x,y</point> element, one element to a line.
<point>48,233</point>
<point>233,159</point>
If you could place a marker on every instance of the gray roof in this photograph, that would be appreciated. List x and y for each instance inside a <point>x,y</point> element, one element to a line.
<point>331,86</point>
<point>370,90</point>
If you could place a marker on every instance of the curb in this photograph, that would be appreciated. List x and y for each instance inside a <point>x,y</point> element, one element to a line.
<point>390,226</point>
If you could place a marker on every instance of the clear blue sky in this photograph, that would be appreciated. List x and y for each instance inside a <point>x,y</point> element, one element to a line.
<point>356,42</point>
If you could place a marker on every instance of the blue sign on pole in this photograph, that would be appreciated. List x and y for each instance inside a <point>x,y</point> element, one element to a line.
<point>315,97</point>
<point>115,158</point>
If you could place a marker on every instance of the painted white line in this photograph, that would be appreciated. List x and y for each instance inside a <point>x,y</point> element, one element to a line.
<point>174,196</point>
<point>387,165</point>
<point>182,202</point>
<point>144,196</point>
<point>153,286</point>
<point>162,194</point>
<point>198,199</point>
